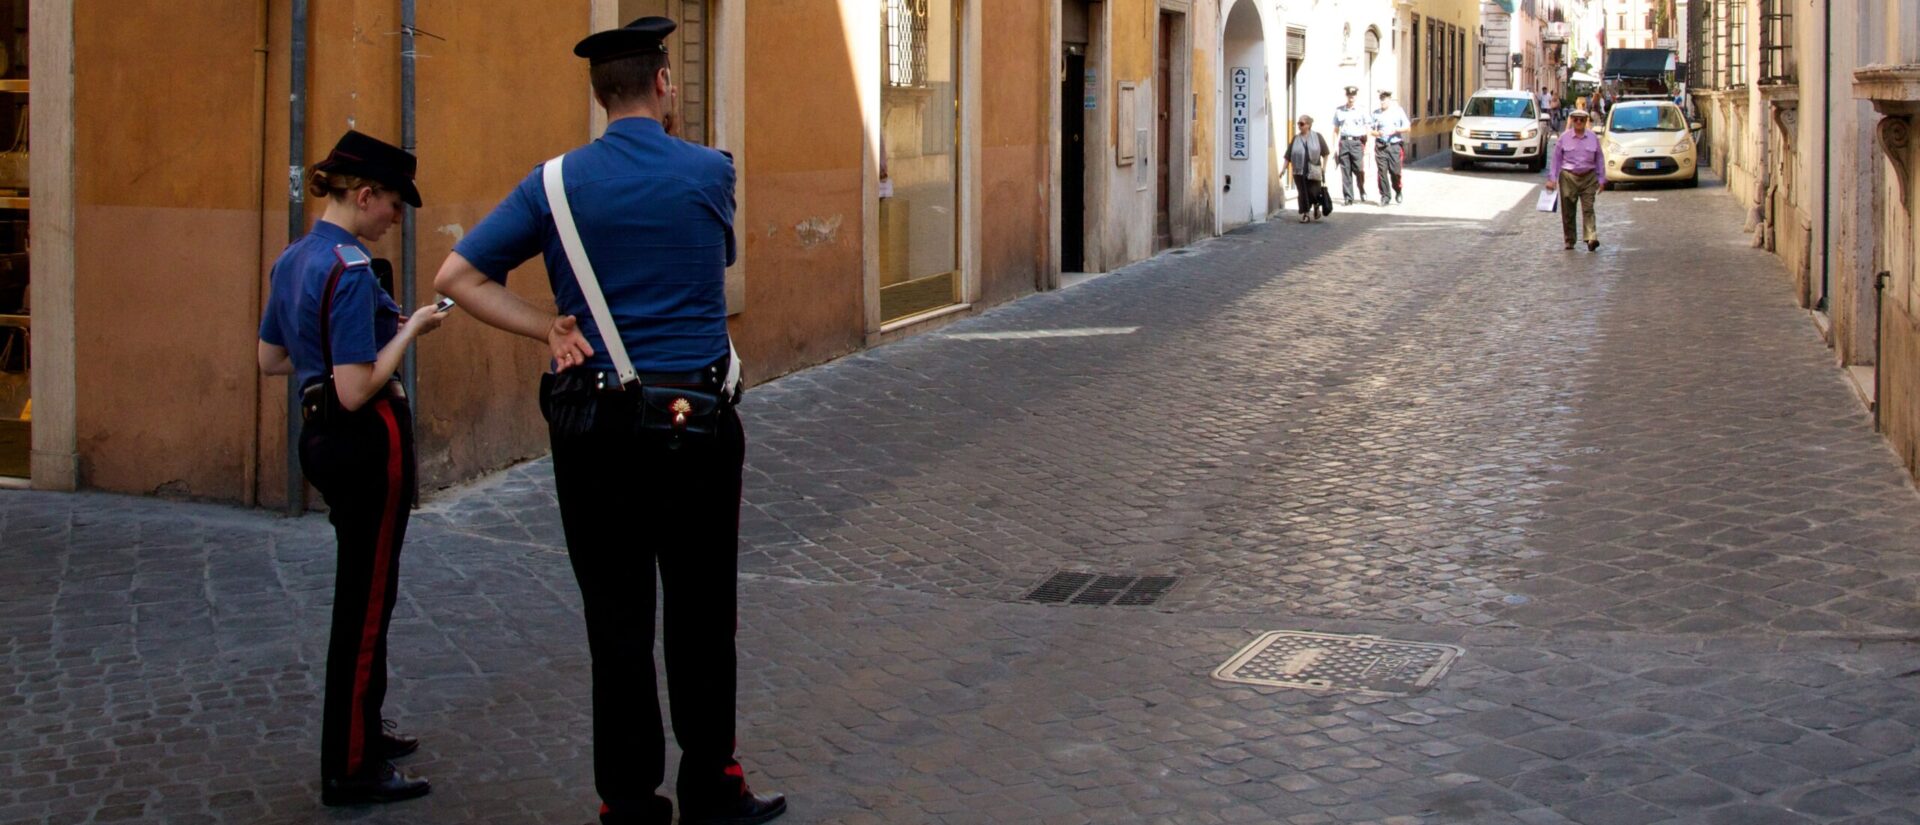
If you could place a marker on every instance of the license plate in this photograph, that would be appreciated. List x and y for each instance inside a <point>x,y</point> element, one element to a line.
<point>1647,164</point>
<point>1494,147</point>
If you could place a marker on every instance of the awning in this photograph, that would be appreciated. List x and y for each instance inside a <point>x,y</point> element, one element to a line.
<point>1583,77</point>
<point>1652,63</point>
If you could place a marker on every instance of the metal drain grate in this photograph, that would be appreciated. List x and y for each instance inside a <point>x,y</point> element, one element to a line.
<point>1331,661</point>
<point>1074,587</point>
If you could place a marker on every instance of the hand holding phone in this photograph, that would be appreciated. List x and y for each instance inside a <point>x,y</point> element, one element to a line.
<point>443,305</point>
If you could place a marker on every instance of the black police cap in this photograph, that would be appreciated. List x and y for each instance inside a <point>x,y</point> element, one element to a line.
<point>1353,90</point>
<point>376,160</point>
<point>643,36</point>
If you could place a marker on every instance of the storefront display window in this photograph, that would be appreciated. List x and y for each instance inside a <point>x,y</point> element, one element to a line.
<point>16,326</point>
<point>919,161</point>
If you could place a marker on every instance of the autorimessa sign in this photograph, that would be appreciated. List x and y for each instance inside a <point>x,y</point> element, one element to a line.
<point>1241,91</point>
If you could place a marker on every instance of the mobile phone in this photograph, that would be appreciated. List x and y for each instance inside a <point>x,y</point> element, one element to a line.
<point>443,305</point>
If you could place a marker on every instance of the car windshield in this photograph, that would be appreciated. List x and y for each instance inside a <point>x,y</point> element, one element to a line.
<point>1647,119</point>
<point>1519,107</point>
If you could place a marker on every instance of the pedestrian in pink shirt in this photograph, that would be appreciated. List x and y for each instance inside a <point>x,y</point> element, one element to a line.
<point>1578,169</point>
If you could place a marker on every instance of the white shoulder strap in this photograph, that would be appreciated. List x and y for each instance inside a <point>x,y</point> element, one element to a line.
<point>556,187</point>
<point>583,269</point>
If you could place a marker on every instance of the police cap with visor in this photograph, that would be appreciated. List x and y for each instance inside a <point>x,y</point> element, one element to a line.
<point>376,160</point>
<point>647,35</point>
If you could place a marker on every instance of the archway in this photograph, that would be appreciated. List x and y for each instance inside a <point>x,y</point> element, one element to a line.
<point>1245,156</point>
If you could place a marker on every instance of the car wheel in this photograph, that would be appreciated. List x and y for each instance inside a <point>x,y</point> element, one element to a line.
<point>1537,165</point>
<point>1692,181</point>
<point>1458,163</point>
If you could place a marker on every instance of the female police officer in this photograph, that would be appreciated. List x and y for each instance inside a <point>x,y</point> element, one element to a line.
<point>330,324</point>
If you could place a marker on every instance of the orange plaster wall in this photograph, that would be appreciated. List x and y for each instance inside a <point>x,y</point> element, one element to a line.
<point>1017,82</point>
<point>499,91</point>
<point>170,229</point>
<point>164,316</point>
<point>804,301</point>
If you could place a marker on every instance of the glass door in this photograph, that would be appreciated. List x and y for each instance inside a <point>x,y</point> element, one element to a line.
<point>919,159</point>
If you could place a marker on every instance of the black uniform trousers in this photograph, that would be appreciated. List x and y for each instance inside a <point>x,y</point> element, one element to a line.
<point>1353,165</point>
<point>1387,157</point>
<point>363,464</point>
<point>629,505</point>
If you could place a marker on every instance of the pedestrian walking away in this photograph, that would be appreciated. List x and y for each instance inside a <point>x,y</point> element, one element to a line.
<point>636,231</point>
<point>1352,124</point>
<point>1306,164</point>
<point>1578,170</point>
<point>1390,127</point>
<point>330,324</point>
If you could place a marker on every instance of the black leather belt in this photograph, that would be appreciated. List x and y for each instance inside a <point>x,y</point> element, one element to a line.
<point>713,375</point>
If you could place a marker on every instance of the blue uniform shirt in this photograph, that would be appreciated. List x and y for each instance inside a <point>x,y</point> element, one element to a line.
<point>364,319</point>
<point>656,217</point>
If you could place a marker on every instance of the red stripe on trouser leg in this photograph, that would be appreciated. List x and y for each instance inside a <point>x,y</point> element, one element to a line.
<point>604,810</point>
<point>377,593</point>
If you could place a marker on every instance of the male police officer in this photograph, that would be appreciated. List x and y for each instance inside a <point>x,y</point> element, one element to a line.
<point>1353,125</point>
<point>1390,127</point>
<point>654,216</point>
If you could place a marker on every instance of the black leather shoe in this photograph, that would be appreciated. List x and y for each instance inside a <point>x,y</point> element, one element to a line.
<point>1399,198</point>
<point>1592,245</point>
<point>392,744</point>
<point>378,786</point>
<point>747,809</point>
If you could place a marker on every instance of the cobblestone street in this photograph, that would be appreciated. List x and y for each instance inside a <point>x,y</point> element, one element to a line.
<point>1631,485</point>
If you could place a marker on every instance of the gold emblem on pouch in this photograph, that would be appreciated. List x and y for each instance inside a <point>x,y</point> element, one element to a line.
<point>680,407</point>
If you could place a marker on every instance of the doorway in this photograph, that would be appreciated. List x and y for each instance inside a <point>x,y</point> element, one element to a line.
<point>1073,161</point>
<point>1247,122</point>
<point>1163,130</point>
<point>1079,94</point>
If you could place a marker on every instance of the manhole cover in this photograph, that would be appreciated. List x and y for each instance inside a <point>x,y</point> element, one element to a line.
<point>1070,586</point>
<point>1330,661</point>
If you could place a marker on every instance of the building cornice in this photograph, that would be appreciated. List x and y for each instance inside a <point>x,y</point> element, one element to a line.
<point>1781,94</point>
<point>1894,90</point>
<point>1895,93</point>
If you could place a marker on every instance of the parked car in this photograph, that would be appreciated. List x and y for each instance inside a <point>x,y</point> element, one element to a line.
<point>1650,140</point>
<point>1500,125</point>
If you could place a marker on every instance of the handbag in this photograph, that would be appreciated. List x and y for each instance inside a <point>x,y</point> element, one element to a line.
<point>674,411</point>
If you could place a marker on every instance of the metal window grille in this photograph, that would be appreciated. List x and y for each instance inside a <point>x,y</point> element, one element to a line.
<point>1736,44</point>
<point>1698,14</point>
<point>1776,42</point>
<point>906,22</point>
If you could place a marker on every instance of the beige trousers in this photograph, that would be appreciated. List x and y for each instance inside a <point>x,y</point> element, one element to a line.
<point>1578,191</point>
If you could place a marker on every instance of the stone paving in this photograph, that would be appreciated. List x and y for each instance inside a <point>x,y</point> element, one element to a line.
<point>1629,484</point>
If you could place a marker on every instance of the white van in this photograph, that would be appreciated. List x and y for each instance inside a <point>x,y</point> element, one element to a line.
<point>1500,125</point>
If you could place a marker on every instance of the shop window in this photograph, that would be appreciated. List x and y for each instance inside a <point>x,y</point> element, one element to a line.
<point>919,159</point>
<point>690,51</point>
<point>16,325</point>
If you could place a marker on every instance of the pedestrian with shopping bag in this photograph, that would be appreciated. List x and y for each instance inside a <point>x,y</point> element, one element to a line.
<point>1307,165</point>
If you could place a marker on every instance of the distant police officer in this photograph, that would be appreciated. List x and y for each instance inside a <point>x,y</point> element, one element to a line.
<point>1353,125</point>
<point>1390,126</point>
<point>647,469</point>
<point>329,323</point>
